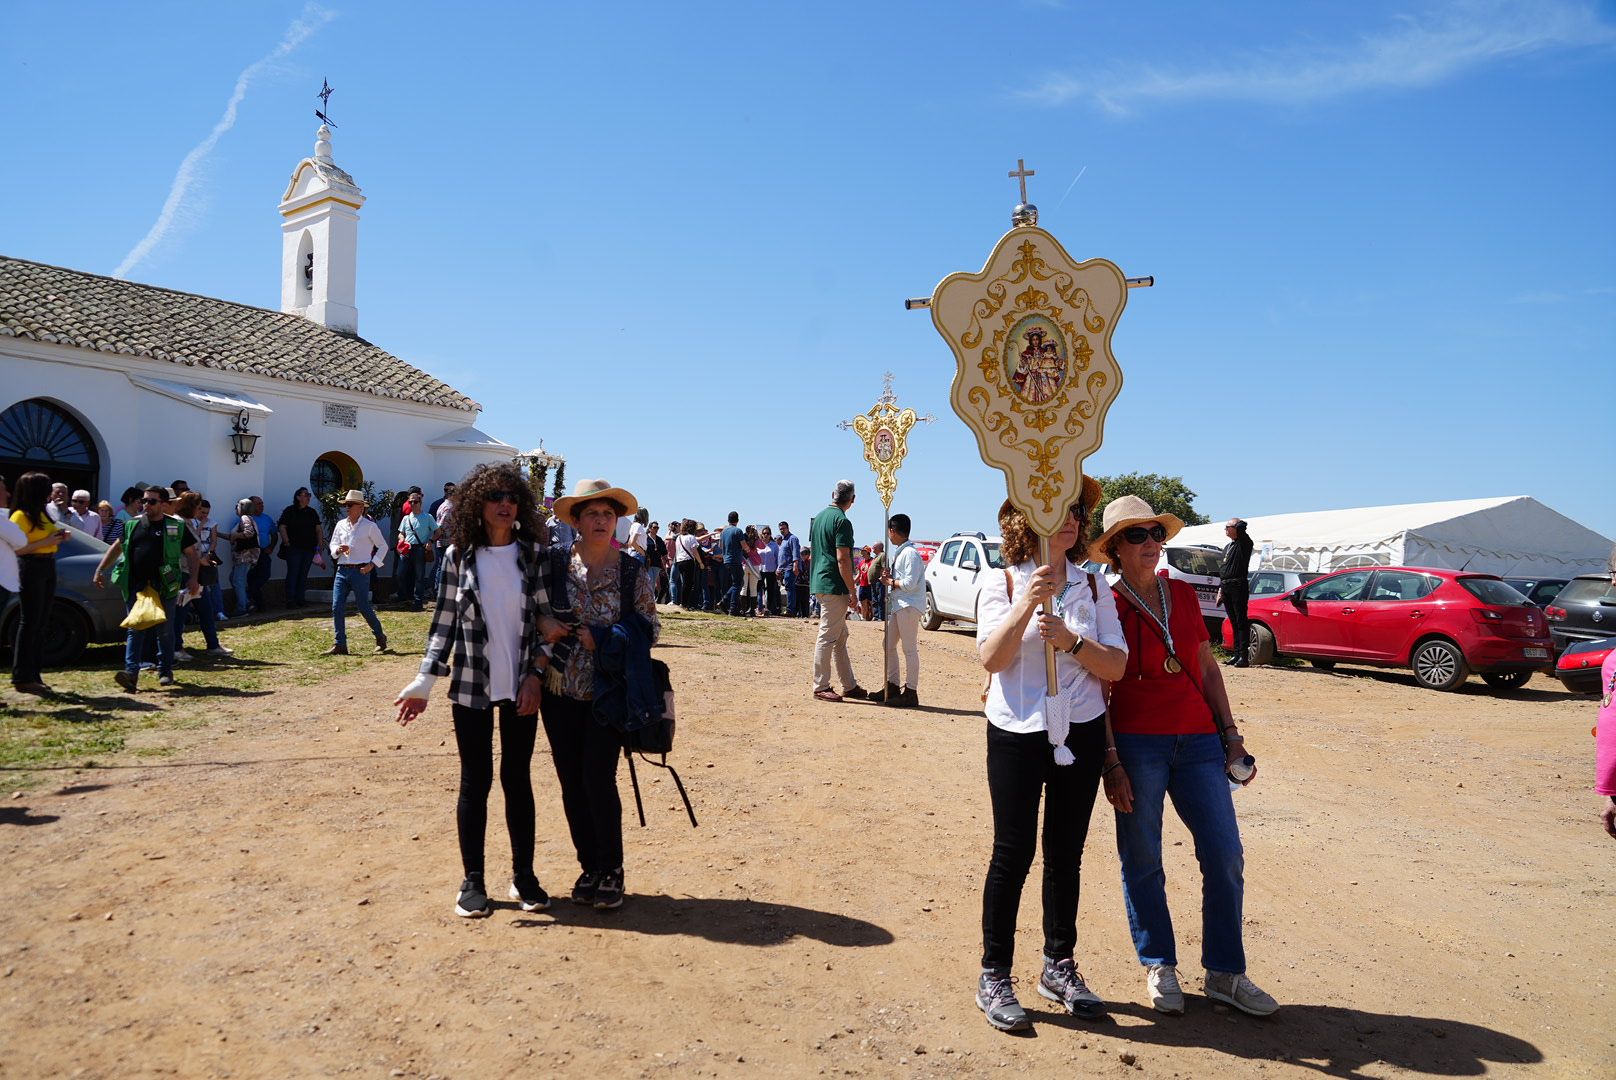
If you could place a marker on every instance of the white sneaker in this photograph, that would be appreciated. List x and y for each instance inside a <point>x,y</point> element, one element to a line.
<point>1239,991</point>
<point>219,650</point>
<point>182,655</point>
<point>1165,994</point>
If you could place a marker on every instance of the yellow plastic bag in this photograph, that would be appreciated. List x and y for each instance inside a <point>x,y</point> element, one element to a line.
<point>147,612</point>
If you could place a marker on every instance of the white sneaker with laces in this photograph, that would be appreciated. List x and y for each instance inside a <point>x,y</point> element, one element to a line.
<point>1165,994</point>
<point>1241,992</point>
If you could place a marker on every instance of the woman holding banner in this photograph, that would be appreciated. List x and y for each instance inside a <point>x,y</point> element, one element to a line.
<point>1174,734</point>
<point>1038,751</point>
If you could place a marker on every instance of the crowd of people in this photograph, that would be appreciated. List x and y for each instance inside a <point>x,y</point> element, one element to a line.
<point>549,622</point>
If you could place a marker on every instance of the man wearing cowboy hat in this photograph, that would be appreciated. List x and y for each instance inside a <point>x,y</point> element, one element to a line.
<point>358,550</point>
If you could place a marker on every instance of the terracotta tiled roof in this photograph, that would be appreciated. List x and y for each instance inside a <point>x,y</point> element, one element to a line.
<point>70,307</point>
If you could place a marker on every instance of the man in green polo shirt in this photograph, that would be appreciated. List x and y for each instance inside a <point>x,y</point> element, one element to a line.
<point>830,579</point>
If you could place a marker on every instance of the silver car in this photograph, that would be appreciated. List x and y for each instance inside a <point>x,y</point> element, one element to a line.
<point>81,612</point>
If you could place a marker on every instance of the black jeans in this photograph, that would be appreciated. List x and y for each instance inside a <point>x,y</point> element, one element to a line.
<point>474,735</point>
<point>771,591</point>
<point>258,576</point>
<point>37,574</point>
<point>585,754</point>
<point>1021,769</point>
<point>1235,596</point>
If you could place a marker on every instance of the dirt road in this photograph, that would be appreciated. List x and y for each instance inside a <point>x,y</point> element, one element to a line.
<point>1428,892</point>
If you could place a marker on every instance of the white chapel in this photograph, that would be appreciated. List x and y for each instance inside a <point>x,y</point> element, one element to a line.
<point>106,382</point>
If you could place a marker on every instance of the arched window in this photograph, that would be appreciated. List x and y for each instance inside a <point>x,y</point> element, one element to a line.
<point>36,435</point>
<point>324,478</point>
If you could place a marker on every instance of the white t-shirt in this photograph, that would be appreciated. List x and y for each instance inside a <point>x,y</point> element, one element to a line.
<point>1016,697</point>
<point>686,547</point>
<point>499,591</point>
<point>11,538</point>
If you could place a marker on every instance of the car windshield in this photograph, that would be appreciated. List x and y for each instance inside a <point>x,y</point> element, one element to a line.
<point>995,560</point>
<point>1493,591</point>
<point>1202,562</point>
<point>1587,591</point>
<point>80,543</point>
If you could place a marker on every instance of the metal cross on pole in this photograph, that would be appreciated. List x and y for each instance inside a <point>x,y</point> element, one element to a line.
<point>1021,173</point>
<point>325,104</point>
<point>884,430</point>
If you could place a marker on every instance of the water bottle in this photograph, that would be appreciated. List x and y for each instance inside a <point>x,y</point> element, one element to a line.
<point>1241,770</point>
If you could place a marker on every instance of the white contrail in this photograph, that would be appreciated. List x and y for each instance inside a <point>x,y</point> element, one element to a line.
<point>312,19</point>
<point>1072,185</point>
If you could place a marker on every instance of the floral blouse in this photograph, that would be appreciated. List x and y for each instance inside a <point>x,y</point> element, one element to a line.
<point>596,599</point>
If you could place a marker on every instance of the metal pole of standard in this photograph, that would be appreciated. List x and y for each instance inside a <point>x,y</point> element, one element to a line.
<point>886,598</point>
<point>1049,609</point>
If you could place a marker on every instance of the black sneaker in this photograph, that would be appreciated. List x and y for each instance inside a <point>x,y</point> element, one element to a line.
<point>584,889</point>
<point>996,997</point>
<point>1062,983</point>
<point>473,900</point>
<point>857,693</point>
<point>526,890</point>
<point>886,694</point>
<point>609,893</point>
<point>905,699</point>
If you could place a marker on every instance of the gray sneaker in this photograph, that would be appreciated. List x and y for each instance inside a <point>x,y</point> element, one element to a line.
<point>996,997</point>
<point>1166,996</point>
<point>1062,983</point>
<point>1239,991</point>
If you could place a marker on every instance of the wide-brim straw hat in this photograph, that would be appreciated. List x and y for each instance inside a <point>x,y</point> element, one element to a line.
<point>1126,511</point>
<point>354,496</point>
<point>588,491</point>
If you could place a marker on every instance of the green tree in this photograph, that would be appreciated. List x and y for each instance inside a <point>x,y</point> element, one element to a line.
<point>1165,494</point>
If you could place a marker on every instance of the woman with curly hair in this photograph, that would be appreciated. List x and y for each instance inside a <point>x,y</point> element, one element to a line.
<point>1042,750</point>
<point>491,622</point>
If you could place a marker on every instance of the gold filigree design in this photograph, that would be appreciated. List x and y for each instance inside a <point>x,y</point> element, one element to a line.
<point>1038,442</point>
<point>885,418</point>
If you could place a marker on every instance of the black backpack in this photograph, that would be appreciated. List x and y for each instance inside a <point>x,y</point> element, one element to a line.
<point>655,737</point>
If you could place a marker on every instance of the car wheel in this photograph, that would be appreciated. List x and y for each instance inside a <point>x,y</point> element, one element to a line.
<point>931,620</point>
<point>1323,665</point>
<point>1505,680</point>
<point>1261,649</point>
<point>65,636</point>
<point>1439,665</point>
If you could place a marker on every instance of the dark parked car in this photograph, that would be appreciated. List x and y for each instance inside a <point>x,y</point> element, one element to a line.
<point>1578,667</point>
<point>1585,610</point>
<point>1538,590</point>
<point>81,613</point>
<point>1443,624</point>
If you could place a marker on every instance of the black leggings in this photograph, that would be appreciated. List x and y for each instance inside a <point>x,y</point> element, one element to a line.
<point>38,574</point>
<point>474,735</point>
<point>585,752</point>
<point>1021,768</point>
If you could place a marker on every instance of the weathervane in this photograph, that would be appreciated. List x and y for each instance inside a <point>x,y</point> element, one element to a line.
<point>325,103</point>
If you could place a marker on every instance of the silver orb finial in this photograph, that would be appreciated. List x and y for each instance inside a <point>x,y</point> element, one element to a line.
<point>1024,214</point>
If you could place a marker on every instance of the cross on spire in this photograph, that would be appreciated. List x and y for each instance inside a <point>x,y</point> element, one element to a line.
<point>1021,173</point>
<point>325,104</point>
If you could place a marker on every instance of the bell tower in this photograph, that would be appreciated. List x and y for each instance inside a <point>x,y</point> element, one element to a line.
<point>320,241</point>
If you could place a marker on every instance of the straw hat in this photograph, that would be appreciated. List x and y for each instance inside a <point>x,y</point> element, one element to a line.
<point>1126,511</point>
<point>590,490</point>
<point>354,496</point>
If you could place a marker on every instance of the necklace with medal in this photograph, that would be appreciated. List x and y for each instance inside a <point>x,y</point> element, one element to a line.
<point>1171,664</point>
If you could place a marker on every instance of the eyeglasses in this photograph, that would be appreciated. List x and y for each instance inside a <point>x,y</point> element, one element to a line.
<point>1138,534</point>
<point>150,502</point>
<point>501,496</point>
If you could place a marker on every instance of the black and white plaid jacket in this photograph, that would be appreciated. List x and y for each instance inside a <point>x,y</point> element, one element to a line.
<point>457,642</point>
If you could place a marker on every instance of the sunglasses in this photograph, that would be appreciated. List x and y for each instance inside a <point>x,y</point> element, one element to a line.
<point>151,502</point>
<point>501,496</point>
<point>1138,534</point>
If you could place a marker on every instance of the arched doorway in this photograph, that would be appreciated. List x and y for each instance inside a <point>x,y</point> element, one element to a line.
<point>39,436</point>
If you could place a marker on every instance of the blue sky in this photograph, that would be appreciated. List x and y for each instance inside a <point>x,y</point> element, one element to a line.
<point>673,241</point>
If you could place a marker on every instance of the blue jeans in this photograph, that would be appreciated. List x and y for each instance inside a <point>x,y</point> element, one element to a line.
<point>732,588</point>
<point>297,576</point>
<point>411,580</point>
<point>212,597</point>
<point>204,615</point>
<point>350,582</point>
<point>238,583</point>
<point>788,582</point>
<point>134,646</point>
<point>1190,769</point>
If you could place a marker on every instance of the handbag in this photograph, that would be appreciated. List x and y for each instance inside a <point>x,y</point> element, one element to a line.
<point>146,612</point>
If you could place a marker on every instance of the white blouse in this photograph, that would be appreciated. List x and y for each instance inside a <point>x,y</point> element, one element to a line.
<point>1016,697</point>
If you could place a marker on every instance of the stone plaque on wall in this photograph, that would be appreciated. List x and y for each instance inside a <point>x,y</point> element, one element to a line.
<point>341,415</point>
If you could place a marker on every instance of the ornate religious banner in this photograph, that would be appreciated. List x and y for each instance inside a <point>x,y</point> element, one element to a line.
<point>1031,335</point>
<point>884,430</point>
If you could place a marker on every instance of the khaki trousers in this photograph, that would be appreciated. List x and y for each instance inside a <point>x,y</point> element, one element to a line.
<point>904,630</point>
<point>832,643</point>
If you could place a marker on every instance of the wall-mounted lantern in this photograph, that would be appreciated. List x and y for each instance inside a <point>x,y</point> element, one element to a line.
<point>242,441</point>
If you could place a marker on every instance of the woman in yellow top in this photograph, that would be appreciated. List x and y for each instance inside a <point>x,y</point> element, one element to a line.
<point>36,576</point>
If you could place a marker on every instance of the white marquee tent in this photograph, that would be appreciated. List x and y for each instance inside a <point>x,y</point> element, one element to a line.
<point>1515,536</point>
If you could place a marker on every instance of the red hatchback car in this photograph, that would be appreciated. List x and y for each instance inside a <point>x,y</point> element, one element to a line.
<point>1443,624</point>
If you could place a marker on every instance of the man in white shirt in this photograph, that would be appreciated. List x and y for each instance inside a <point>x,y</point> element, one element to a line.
<point>82,516</point>
<point>358,550</point>
<point>59,504</point>
<point>905,578</point>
